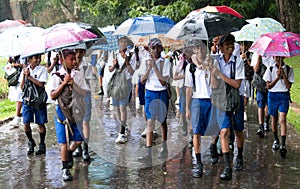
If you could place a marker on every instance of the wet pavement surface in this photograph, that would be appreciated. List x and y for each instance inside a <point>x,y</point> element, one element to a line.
<point>116,166</point>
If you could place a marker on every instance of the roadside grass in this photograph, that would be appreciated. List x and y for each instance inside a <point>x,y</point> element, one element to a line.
<point>293,118</point>
<point>7,109</point>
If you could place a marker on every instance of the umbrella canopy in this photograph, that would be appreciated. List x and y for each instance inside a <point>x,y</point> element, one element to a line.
<point>14,40</point>
<point>256,28</point>
<point>284,44</point>
<point>6,24</point>
<point>216,9</point>
<point>205,26</point>
<point>145,25</point>
<point>66,34</point>
<point>111,45</point>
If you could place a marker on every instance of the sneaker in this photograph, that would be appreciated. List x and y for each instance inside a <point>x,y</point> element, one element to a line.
<point>163,153</point>
<point>238,164</point>
<point>282,151</point>
<point>227,174</point>
<point>266,127</point>
<point>41,149</point>
<point>77,152</point>
<point>121,139</point>
<point>260,133</point>
<point>16,122</point>
<point>85,155</point>
<point>214,158</point>
<point>66,175</point>
<point>275,145</point>
<point>70,159</point>
<point>30,149</point>
<point>197,172</point>
<point>101,92</point>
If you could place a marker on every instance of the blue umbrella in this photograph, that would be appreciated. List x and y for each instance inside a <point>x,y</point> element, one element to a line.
<point>145,25</point>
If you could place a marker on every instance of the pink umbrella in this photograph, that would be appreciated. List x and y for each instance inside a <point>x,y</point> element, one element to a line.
<point>284,44</point>
<point>10,23</point>
<point>66,34</point>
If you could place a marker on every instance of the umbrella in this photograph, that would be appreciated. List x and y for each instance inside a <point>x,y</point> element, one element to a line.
<point>205,26</point>
<point>15,40</point>
<point>10,23</point>
<point>66,34</point>
<point>256,28</point>
<point>112,43</point>
<point>284,44</point>
<point>145,25</point>
<point>217,10</point>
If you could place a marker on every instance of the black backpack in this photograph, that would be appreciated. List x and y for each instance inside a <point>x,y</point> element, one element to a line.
<point>258,81</point>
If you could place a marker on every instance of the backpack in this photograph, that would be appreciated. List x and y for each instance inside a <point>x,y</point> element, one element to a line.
<point>258,81</point>
<point>231,100</point>
<point>34,96</point>
<point>13,79</point>
<point>117,87</point>
<point>71,103</point>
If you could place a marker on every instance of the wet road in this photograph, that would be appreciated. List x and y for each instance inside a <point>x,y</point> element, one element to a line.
<point>116,165</point>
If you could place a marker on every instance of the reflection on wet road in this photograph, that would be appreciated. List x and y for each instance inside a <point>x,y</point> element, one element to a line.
<point>116,166</point>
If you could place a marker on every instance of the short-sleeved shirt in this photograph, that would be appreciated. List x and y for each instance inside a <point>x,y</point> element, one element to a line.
<point>202,78</point>
<point>87,71</point>
<point>280,85</point>
<point>39,73</point>
<point>121,61</point>
<point>152,82</point>
<point>225,68</point>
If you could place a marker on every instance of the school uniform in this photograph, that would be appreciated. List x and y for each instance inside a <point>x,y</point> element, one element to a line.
<point>278,96</point>
<point>200,106</point>
<point>30,114</point>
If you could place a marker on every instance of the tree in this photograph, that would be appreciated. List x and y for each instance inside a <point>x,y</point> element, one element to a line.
<point>5,10</point>
<point>289,14</point>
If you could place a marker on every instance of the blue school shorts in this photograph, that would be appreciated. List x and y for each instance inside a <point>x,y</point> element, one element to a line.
<point>156,105</point>
<point>125,101</point>
<point>182,101</point>
<point>200,110</point>
<point>29,115</point>
<point>60,128</point>
<point>238,118</point>
<point>278,101</point>
<point>88,104</point>
<point>261,99</point>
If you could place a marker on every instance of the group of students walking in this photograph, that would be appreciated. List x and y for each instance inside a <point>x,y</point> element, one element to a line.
<point>212,96</point>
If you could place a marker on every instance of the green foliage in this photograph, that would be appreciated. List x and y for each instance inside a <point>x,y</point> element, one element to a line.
<point>7,109</point>
<point>295,90</point>
<point>294,119</point>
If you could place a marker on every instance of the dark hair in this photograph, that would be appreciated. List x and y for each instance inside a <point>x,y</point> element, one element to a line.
<point>67,52</point>
<point>129,41</point>
<point>228,37</point>
<point>35,55</point>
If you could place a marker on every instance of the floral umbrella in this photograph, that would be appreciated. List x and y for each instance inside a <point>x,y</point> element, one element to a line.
<point>256,28</point>
<point>284,44</point>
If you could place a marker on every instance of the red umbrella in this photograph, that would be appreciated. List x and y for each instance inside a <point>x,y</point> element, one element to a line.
<point>11,23</point>
<point>217,9</point>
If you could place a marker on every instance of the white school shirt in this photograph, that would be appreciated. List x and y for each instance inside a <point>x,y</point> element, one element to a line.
<point>152,82</point>
<point>88,73</point>
<point>39,73</point>
<point>202,78</point>
<point>121,61</point>
<point>280,85</point>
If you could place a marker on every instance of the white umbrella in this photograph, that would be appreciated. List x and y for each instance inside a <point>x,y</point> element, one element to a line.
<point>14,41</point>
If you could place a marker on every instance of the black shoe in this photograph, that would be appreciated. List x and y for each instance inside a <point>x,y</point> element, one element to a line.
<point>147,160</point>
<point>197,172</point>
<point>30,149</point>
<point>260,133</point>
<point>227,174</point>
<point>77,152</point>
<point>282,151</point>
<point>275,145</point>
<point>41,149</point>
<point>66,175</point>
<point>266,127</point>
<point>85,155</point>
<point>163,153</point>
<point>238,164</point>
<point>101,92</point>
<point>69,160</point>
<point>184,129</point>
<point>214,158</point>
<point>191,145</point>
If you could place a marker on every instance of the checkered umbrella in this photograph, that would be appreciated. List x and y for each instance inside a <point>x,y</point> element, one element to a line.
<point>112,43</point>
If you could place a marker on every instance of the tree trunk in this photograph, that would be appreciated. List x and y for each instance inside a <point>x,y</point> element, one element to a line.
<point>20,10</point>
<point>5,10</point>
<point>288,13</point>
